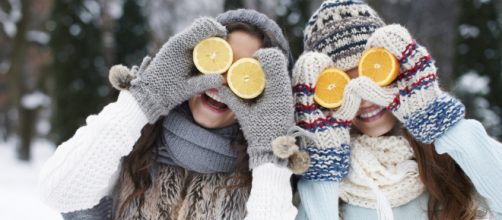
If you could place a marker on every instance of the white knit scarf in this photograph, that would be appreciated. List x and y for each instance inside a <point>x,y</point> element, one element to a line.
<point>383,174</point>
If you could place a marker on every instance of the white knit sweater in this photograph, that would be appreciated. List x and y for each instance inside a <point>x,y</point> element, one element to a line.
<point>85,168</point>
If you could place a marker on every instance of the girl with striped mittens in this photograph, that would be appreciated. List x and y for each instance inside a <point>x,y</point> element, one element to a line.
<point>413,155</point>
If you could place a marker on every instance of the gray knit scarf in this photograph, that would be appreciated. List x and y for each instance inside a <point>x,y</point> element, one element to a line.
<point>186,144</point>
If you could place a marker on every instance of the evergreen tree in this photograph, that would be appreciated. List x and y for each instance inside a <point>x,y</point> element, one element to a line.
<point>78,74</point>
<point>233,4</point>
<point>292,17</point>
<point>478,61</point>
<point>131,34</point>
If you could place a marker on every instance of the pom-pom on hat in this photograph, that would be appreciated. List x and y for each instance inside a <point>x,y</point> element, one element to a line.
<point>340,29</point>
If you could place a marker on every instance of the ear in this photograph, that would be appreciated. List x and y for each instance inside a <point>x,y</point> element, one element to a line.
<point>120,77</point>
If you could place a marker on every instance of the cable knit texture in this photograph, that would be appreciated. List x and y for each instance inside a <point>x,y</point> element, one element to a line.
<point>269,115</point>
<point>387,162</point>
<point>340,28</point>
<point>426,111</point>
<point>329,155</point>
<point>84,168</point>
<point>166,81</point>
<point>266,200</point>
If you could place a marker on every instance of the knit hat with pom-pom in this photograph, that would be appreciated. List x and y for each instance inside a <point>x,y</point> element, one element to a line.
<point>340,29</point>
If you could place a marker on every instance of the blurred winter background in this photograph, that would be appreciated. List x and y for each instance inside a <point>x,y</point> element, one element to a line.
<point>55,56</point>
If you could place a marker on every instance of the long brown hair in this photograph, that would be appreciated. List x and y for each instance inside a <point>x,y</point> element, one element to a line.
<point>451,193</point>
<point>139,162</point>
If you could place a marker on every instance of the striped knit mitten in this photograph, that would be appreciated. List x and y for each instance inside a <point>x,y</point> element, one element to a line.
<point>424,109</point>
<point>330,154</point>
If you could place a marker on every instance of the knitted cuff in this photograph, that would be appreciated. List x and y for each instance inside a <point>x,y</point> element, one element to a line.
<point>435,119</point>
<point>318,199</point>
<point>271,194</point>
<point>257,158</point>
<point>331,164</point>
<point>151,108</point>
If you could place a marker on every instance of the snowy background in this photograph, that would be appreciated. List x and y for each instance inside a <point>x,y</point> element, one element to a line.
<point>19,198</point>
<point>55,56</point>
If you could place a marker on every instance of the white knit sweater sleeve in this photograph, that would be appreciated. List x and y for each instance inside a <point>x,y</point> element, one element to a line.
<point>271,194</point>
<point>85,168</point>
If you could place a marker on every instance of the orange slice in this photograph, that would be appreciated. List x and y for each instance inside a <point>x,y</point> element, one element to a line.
<point>246,78</point>
<point>329,87</point>
<point>212,55</point>
<point>379,65</point>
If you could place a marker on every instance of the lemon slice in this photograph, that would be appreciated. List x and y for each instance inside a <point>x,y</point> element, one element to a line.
<point>212,55</point>
<point>246,78</point>
<point>379,65</point>
<point>329,87</point>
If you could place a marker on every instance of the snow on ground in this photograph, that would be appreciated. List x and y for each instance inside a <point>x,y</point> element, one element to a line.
<point>19,198</point>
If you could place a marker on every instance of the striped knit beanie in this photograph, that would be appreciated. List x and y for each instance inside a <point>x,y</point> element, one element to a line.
<point>340,29</point>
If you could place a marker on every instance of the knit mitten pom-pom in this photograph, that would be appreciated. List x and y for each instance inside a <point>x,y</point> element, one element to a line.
<point>120,77</point>
<point>284,147</point>
<point>299,162</point>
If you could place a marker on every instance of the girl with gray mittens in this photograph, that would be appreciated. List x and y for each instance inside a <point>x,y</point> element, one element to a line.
<point>404,151</point>
<point>178,144</point>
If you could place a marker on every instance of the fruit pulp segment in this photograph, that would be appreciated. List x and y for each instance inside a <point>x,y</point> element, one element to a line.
<point>330,86</point>
<point>246,78</point>
<point>213,55</point>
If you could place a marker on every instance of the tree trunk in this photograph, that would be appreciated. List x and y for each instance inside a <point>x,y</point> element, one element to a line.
<point>107,34</point>
<point>18,88</point>
<point>26,130</point>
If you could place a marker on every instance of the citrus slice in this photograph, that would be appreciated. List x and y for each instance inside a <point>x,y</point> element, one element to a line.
<point>329,87</point>
<point>246,78</point>
<point>213,55</point>
<point>379,65</point>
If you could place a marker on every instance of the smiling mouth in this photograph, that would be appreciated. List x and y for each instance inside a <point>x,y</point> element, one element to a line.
<point>368,116</point>
<point>213,102</point>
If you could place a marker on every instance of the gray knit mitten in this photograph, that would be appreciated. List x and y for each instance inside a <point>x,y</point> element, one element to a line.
<point>271,115</point>
<point>168,80</point>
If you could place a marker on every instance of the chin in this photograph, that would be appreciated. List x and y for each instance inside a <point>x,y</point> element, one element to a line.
<point>375,125</point>
<point>209,113</point>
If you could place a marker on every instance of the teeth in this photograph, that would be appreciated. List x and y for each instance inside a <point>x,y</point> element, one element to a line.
<point>371,114</point>
<point>213,96</point>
